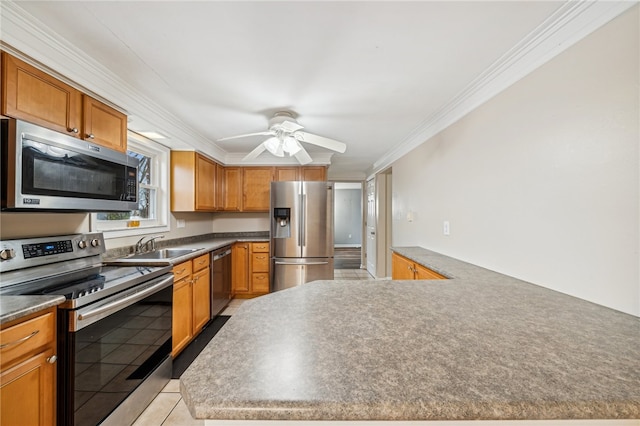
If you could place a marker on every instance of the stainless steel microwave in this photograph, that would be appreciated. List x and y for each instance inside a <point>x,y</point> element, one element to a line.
<point>47,170</point>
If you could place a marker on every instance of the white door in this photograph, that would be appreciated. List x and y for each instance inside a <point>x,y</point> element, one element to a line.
<point>372,214</point>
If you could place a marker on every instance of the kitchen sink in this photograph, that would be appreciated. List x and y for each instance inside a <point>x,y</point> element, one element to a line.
<point>152,258</point>
<point>163,254</point>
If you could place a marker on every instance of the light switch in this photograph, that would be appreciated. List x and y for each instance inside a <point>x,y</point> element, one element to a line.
<point>181,223</point>
<point>445,227</point>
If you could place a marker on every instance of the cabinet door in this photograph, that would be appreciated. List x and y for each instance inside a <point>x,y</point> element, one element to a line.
<point>240,268</point>
<point>205,184</point>
<point>201,299</point>
<point>27,392</point>
<point>104,125</point>
<point>313,173</point>
<point>182,330</point>
<point>401,268</point>
<point>183,164</point>
<point>260,282</point>
<point>32,95</point>
<point>287,174</point>
<point>232,194</point>
<point>423,273</point>
<point>256,187</point>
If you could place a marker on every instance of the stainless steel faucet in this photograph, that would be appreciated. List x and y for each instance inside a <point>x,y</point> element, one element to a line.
<point>150,240</point>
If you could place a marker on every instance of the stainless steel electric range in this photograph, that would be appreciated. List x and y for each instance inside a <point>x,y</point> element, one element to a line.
<point>114,329</point>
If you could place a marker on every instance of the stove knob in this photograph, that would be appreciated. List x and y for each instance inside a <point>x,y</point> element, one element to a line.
<point>82,244</point>
<point>95,242</point>
<point>7,254</point>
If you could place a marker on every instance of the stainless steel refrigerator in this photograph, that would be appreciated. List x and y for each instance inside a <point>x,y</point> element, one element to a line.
<point>301,233</point>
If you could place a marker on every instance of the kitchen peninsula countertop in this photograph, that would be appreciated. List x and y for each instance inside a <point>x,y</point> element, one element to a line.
<point>481,345</point>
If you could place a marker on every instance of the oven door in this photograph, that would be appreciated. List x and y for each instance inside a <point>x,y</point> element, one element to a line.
<point>50,170</point>
<point>110,347</point>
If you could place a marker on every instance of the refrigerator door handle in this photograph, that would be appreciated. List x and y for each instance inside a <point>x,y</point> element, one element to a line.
<point>278,262</point>
<point>303,225</point>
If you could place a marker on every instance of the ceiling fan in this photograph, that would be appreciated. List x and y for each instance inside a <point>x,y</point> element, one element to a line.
<point>285,137</point>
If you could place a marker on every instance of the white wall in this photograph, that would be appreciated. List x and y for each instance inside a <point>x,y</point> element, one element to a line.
<point>541,182</point>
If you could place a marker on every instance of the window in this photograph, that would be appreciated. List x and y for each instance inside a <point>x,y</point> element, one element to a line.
<point>152,212</point>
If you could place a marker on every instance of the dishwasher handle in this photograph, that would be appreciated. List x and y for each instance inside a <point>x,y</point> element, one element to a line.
<point>220,255</point>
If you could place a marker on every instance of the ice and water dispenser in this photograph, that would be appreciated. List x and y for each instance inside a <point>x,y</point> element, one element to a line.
<point>281,226</point>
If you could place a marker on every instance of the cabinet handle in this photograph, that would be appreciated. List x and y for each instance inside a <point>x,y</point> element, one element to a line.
<point>73,130</point>
<point>52,359</point>
<point>260,257</point>
<point>90,136</point>
<point>24,339</point>
<point>181,271</point>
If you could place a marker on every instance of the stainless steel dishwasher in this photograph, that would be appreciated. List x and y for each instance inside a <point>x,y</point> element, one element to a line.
<point>220,280</point>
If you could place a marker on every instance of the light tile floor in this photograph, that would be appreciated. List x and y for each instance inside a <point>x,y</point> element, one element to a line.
<point>168,408</point>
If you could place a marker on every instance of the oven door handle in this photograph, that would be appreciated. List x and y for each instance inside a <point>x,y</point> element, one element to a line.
<point>118,304</point>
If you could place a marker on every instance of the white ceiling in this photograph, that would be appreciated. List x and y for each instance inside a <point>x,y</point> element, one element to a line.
<point>374,75</point>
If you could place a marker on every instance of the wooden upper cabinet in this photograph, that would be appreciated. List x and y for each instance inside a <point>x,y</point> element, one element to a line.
<point>306,173</point>
<point>287,174</point>
<point>256,187</point>
<point>193,182</point>
<point>104,125</point>
<point>313,173</point>
<point>232,190</point>
<point>205,183</point>
<point>34,96</point>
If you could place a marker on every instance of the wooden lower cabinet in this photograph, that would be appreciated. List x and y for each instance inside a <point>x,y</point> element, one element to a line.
<point>406,269</point>
<point>28,370</point>
<point>191,301</point>
<point>250,271</point>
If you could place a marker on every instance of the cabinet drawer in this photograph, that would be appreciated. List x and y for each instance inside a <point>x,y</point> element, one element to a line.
<point>26,337</point>
<point>260,262</point>
<point>181,270</point>
<point>260,282</point>
<point>201,262</point>
<point>260,247</point>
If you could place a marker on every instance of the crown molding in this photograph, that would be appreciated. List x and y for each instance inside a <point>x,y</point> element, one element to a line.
<point>573,21</point>
<point>32,40</point>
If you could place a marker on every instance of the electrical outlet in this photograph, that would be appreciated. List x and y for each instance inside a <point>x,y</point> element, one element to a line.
<point>445,227</point>
<point>349,235</point>
<point>181,223</point>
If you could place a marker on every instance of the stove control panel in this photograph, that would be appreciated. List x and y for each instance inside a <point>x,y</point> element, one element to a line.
<point>29,252</point>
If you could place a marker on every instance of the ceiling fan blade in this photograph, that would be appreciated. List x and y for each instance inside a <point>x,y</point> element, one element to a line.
<point>289,126</point>
<point>253,154</point>
<point>321,141</point>
<point>303,157</point>
<point>268,133</point>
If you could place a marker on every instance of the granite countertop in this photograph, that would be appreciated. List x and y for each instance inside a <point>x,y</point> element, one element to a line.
<point>14,307</point>
<point>478,346</point>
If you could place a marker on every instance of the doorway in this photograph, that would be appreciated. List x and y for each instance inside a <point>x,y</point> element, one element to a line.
<point>348,225</point>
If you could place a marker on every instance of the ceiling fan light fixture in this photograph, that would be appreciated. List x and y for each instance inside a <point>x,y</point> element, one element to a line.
<point>274,146</point>
<point>291,145</point>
